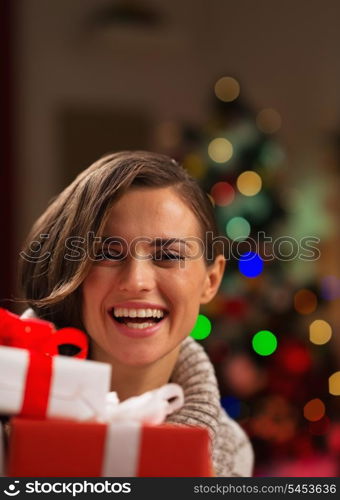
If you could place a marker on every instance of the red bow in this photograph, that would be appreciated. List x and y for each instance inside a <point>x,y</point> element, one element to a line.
<point>41,339</point>
<point>38,336</point>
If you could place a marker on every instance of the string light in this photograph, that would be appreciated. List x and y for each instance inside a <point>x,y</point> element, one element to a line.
<point>296,358</point>
<point>250,264</point>
<point>264,343</point>
<point>238,228</point>
<point>334,384</point>
<point>268,121</point>
<point>223,193</point>
<point>232,406</point>
<point>320,332</point>
<point>330,287</point>
<point>202,328</point>
<point>227,89</point>
<point>305,301</point>
<point>249,183</point>
<point>314,410</point>
<point>235,407</point>
<point>220,150</point>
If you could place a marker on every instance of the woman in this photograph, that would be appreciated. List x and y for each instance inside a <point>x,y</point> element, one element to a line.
<point>121,254</point>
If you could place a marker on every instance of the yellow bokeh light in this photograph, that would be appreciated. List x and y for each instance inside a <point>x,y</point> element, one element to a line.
<point>227,89</point>
<point>320,332</point>
<point>334,384</point>
<point>220,150</point>
<point>249,183</point>
<point>269,120</point>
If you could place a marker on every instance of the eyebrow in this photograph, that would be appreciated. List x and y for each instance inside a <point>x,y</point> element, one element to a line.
<point>158,242</point>
<point>168,241</point>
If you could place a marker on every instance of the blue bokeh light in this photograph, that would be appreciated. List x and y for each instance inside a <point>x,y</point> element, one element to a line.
<point>232,406</point>
<point>250,264</point>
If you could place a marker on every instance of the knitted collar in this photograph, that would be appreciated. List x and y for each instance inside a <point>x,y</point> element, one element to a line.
<point>194,372</point>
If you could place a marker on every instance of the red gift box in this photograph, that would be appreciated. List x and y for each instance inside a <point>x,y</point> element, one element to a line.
<point>59,448</point>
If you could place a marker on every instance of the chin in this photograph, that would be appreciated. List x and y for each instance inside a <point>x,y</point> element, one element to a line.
<point>137,358</point>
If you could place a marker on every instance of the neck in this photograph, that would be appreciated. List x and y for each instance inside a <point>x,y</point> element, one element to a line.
<point>128,381</point>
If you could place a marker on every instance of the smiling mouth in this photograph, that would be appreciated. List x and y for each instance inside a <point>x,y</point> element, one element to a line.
<point>138,323</point>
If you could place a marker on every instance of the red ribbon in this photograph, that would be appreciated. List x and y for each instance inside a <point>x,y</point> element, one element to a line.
<point>38,335</point>
<point>37,387</point>
<point>42,341</point>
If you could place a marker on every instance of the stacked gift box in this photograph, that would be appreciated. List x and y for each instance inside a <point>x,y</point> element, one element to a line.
<point>56,415</point>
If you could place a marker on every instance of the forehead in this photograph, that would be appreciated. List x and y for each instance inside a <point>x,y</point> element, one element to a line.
<point>152,212</point>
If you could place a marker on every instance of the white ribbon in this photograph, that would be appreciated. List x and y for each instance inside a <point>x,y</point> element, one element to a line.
<point>152,407</point>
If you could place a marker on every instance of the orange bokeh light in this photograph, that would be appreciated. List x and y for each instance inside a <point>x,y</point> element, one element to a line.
<point>314,410</point>
<point>305,301</point>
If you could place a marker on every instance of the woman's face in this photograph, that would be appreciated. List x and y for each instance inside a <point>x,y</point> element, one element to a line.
<point>138,307</point>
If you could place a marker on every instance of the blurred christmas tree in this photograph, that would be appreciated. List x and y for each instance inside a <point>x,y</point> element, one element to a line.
<point>269,343</point>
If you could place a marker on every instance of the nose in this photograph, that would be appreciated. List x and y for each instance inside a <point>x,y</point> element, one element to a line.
<point>136,275</point>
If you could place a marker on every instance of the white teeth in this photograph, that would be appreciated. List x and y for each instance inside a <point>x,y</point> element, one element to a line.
<point>139,326</point>
<point>119,312</point>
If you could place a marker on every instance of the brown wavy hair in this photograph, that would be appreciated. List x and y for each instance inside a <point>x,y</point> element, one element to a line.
<point>50,283</point>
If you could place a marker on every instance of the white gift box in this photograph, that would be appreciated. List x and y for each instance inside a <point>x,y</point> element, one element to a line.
<point>77,391</point>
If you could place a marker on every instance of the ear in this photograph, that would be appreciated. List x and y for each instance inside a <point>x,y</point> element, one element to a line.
<point>213,280</point>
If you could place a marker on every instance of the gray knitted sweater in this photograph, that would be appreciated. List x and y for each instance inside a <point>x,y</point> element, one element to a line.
<point>231,450</point>
<point>232,453</point>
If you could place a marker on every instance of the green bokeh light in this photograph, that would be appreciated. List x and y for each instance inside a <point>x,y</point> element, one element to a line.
<point>264,343</point>
<point>202,328</point>
<point>238,228</point>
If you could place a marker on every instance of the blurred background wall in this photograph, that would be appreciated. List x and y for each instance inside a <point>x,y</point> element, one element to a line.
<point>73,61</point>
<point>86,77</point>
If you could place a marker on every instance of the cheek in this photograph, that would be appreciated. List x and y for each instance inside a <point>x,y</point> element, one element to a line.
<point>88,293</point>
<point>95,284</point>
<point>188,283</point>
<point>195,276</point>
<point>94,291</point>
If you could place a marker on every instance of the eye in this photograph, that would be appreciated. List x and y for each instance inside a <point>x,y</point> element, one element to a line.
<point>112,256</point>
<point>167,256</point>
<point>109,255</point>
